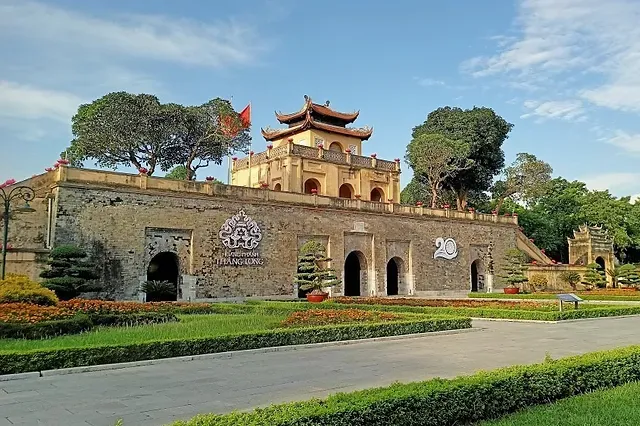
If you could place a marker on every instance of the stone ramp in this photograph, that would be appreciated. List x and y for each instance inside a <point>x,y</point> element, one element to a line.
<point>528,247</point>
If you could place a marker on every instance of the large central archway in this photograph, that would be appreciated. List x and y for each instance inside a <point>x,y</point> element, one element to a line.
<point>355,273</point>
<point>163,275</point>
<point>393,276</point>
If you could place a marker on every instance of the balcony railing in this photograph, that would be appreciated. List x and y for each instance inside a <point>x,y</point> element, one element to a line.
<point>303,151</point>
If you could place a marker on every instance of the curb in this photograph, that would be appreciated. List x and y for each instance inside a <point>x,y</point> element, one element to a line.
<point>222,355</point>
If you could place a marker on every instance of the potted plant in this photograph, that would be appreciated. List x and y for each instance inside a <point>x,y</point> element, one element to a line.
<point>514,271</point>
<point>313,273</point>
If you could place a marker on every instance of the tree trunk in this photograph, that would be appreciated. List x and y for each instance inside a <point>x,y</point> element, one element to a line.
<point>499,205</point>
<point>434,196</point>
<point>190,173</point>
<point>461,199</point>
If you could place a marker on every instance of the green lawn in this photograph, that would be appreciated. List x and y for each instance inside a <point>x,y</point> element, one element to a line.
<point>190,326</point>
<point>616,407</point>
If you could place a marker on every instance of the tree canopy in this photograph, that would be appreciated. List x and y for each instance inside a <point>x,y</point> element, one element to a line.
<point>123,129</point>
<point>484,131</point>
<point>437,158</point>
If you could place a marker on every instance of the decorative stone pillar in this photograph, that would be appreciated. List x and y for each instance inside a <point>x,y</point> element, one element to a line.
<point>188,287</point>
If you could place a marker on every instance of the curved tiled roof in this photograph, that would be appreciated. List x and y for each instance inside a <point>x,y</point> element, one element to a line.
<point>310,123</point>
<point>320,110</point>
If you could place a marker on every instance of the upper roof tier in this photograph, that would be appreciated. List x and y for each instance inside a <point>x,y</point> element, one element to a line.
<point>319,112</point>
<point>314,116</point>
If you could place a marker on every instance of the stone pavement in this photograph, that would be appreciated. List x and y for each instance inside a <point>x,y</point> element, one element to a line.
<point>157,394</point>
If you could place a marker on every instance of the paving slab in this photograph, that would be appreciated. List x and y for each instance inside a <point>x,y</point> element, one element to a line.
<point>163,392</point>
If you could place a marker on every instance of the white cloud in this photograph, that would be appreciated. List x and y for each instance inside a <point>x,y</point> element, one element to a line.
<point>430,82</point>
<point>23,101</point>
<point>574,37</point>
<point>571,110</point>
<point>626,141</point>
<point>620,182</point>
<point>143,37</point>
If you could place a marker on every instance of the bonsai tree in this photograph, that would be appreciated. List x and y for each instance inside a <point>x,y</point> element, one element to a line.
<point>514,270</point>
<point>629,276</point>
<point>571,277</point>
<point>594,277</point>
<point>313,273</point>
<point>69,272</point>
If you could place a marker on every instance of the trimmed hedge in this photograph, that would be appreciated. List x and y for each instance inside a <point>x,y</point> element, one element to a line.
<point>471,312</point>
<point>80,323</point>
<point>44,329</point>
<point>439,402</point>
<point>548,296</point>
<point>49,359</point>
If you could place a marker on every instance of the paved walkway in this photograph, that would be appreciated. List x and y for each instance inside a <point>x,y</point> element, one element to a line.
<point>158,394</point>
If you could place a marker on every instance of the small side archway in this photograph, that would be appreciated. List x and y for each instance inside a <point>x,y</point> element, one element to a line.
<point>600,261</point>
<point>310,185</point>
<point>336,147</point>
<point>355,274</point>
<point>377,195</point>
<point>396,277</point>
<point>477,276</point>
<point>277,187</point>
<point>163,267</point>
<point>346,191</point>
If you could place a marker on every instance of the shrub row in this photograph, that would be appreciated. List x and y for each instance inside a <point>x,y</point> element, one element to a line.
<point>48,359</point>
<point>599,312</point>
<point>460,401</point>
<point>79,323</point>
<point>44,329</point>
<point>630,297</point>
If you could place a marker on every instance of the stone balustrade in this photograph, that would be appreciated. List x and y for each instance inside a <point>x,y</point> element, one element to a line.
<point>70,176</point>
<point>316,153</point>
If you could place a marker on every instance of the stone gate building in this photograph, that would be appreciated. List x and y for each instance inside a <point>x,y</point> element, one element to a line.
<point>219,241</point>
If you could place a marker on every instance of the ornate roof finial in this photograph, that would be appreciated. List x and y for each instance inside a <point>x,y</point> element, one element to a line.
<point>306,98</point>
<point>327,103</point>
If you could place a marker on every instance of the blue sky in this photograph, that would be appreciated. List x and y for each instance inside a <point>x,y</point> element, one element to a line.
<point>565,72</point>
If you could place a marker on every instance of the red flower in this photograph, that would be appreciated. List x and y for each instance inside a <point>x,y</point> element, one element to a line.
<point>374,155</point>
<point>235,158</point>
<point>314,191</point>
<point>63,161</point>
<point>446,206</point>
<point>290,139</point>
<point>419,203</point>
<point>397,160</point>
<point>269,146</point>
<point>251,152</point>
<point>210,178</point>
<point>494,211</point>
<point>143,170</point>
<point>48,169</point>
<point>320,146</point>
<point>358,195</point>
<point>348,151</point>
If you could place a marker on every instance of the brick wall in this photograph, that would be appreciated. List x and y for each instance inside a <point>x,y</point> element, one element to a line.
<point>113,224</point>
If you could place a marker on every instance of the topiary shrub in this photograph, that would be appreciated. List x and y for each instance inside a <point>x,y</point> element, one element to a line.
<point>514,269</point>
<point>594,277</point>
<point>629,275</point>
<point>313,274</point>
<point>69,272</point>
<point>21,289</point>
<point>538,282</point>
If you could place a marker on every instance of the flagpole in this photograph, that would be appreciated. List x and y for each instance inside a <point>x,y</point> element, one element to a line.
<point>229,158</point>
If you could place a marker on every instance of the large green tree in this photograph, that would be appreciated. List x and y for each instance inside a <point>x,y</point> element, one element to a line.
<point>484,131</point>
<point>123,129</point>
<point>207,133</point>
<point>524,180</point>
<point>437,158</point>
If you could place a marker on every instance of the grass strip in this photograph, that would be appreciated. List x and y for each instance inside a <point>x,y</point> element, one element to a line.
<point>49,359</point>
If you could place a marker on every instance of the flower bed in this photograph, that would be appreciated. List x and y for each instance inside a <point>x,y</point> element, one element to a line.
<point>107,307</point>
<point>30,313</point>
<point>603,295</point>
<point>316,317</point>
<point>460,401</point>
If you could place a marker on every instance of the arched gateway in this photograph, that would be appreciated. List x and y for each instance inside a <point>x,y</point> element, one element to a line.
<point>164,267</point>
<point>355,274</point>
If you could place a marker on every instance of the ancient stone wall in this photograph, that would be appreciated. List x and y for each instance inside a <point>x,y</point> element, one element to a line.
<point>119,222</point>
